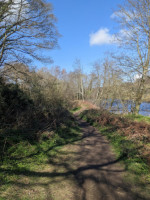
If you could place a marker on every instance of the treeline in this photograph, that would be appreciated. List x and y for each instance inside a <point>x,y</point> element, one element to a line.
<point>33,101</point>
<point>25,90</point>
<point>27,93</point>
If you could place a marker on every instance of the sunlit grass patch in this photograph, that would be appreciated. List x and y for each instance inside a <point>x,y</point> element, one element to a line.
<point>75,109</point>
<point>138,118</point>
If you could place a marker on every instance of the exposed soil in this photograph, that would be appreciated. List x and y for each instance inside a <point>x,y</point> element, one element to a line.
<point>85,170</point>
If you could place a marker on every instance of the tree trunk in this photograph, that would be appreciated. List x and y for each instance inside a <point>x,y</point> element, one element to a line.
<point>137,107</point>
<point>140,92</point>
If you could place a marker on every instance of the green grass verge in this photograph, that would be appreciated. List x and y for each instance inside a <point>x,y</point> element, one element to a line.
<point>138,118</point>
<point>24,156</point>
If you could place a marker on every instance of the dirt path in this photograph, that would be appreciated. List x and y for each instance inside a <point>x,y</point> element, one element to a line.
<point>97,174</point>
<point>85,170</point>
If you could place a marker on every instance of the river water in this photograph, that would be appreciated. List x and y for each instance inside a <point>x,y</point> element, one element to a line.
<point>118,108</point>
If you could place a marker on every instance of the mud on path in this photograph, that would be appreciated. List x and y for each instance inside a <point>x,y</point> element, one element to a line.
<point>85,170</point>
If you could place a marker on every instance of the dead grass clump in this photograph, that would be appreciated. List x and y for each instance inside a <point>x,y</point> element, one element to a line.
<point>136,130</point>
<point>84,104</point>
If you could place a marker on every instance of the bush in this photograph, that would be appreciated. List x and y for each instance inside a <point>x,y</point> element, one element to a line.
<point>13,102</point>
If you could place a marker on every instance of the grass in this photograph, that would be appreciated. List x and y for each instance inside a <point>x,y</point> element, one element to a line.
<point>24,156</point>
<point>75,109</point>
<point>138,118</point>
<point>138,172</point>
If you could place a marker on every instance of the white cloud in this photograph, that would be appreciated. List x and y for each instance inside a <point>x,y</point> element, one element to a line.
<point>101,37</point>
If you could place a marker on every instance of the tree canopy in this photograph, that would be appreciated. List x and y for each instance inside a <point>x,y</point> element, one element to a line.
<point>26,28</point>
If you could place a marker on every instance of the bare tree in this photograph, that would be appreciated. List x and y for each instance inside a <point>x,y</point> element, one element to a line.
<point>26,29</point>
<point>79,78</point>
<point>134,18</point>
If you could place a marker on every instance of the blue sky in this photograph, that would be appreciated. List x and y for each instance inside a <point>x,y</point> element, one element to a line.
<point>86,27</point>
